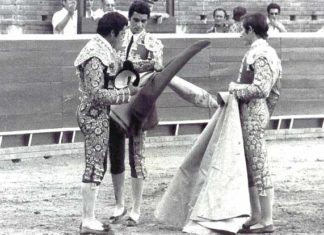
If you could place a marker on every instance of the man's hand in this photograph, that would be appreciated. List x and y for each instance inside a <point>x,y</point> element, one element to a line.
<point>274,22</point>
<point>71,8</point>
<point>232,86</point>
<point>277,24</point>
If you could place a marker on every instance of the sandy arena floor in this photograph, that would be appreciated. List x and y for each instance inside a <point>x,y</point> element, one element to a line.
<point>42,196</point>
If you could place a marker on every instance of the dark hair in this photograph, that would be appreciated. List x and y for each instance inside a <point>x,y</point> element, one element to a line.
<point>258,22</point>
<point>238,12</point>
<point>140,7</point>
<point>111,21</point>
<point>220,9</point>
<point>273,6</point>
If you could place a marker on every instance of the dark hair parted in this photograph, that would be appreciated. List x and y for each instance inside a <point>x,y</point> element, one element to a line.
<point>140,7</point>
<point>257,22</point>
<point>220,9</point>
<point>238,12</point>
<point>273,6</point>
<point>111,22</point>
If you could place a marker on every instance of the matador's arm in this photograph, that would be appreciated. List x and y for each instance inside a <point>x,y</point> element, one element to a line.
<point>94,81</point>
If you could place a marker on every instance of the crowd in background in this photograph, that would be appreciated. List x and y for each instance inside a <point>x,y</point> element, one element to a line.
<point>65,20</point>
<point>224,20</point>
<point>223,23</point>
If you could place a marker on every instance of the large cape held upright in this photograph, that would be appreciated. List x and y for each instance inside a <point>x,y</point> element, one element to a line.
<point>209,192</point>
<point>141,105</point>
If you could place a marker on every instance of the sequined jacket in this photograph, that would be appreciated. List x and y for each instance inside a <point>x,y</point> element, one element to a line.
<point>96,66</point>
<point>260,75</point>
<point>145,51</point>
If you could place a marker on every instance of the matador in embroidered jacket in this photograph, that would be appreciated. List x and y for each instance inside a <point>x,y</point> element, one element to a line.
<point>258,93</point>
<point>97,64</point>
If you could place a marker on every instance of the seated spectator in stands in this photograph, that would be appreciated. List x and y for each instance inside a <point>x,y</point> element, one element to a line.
<point>89,8</point>
<point>157,16</point>
<point>65,20</point>
<point>221,24</point>
<point>237,26</point>
<point>105,7</point>
<point>275,26</point>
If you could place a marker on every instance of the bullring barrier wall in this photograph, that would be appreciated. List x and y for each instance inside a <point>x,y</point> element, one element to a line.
<point>39,89</point>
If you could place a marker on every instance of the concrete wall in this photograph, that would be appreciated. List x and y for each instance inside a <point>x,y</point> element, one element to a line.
<point>39,88</point>
<point>34,16</point>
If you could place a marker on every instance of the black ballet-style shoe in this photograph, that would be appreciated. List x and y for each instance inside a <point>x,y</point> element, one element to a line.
<point>130,222</point>
<point>264,229</point>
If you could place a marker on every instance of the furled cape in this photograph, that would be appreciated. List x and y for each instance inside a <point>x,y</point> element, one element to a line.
<point>210,190</point>
<point>140,107</point>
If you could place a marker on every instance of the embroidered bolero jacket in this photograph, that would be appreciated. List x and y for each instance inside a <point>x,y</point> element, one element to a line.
<point>260,75</point>
<point>95,65</point>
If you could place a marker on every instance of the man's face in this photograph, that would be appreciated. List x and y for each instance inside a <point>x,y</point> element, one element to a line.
<point>219,18</point>
<point>108,5</point>
<point>89,3</point>
<point>273,14</point>
<point>137,22</point>
<point>120,38</point>
<point>247,36</point>
<point>70,4</point>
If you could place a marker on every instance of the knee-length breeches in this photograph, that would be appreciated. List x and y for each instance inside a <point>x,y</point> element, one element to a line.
<point>254,120</point>
<point>95,127</point>
<point>136,151</point>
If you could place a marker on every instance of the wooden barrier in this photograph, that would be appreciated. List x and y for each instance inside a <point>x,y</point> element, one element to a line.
<point>40,90</point>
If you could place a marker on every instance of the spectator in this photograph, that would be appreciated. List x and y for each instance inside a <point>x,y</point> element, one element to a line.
<point>237,26</point>
<point>108,5</point>
<point>150,3</point>
<point>275,26</point>
<point>220,21</point>
<point>89,8</point>
<point>157,16</point>
<point>65,20</point>
<point>105,7</point>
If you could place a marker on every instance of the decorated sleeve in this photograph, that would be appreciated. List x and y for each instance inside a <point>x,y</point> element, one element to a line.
<point>262,83</point>
<point>94,82</point>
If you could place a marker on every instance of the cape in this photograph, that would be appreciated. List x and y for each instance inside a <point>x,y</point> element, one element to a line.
<point>209,193</point>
